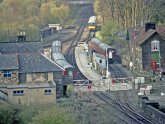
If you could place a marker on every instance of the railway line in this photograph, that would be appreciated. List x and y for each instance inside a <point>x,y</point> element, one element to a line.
<point>120,109</point>
<point>123,111</point>
<point>117,71</point>
<point>92,101</point>
<point>72,43</point>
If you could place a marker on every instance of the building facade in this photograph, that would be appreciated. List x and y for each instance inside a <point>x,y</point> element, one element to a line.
<point>27,76</point>
<point>147,50</point>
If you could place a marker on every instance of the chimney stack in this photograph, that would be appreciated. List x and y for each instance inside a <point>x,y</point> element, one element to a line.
<point>150,25</point>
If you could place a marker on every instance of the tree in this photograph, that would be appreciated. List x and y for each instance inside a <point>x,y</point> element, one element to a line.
<point>17,15</point>
<point>130,13</point>
<point>108,32</point>
<point>9,115</point>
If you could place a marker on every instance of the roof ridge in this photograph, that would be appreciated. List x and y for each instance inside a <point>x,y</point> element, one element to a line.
<point>52,61</point>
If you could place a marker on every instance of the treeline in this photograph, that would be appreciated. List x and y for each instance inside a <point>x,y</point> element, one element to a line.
<point>29,16</point>
<point>130,13</point>
<point>121,14</point>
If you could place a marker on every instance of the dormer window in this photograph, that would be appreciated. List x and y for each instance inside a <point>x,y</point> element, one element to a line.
<point>155,45</point>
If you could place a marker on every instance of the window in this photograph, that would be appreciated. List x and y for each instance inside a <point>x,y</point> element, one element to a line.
<point>155,45</point>
<point>7,74</point>
<point>18,92</point>
<point>100,60</point>
<point>48,92</point>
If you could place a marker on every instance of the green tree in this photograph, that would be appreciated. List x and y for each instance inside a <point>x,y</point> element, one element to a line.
<point>9,115</point>
<point>18,15</point>
<point>108,32</point>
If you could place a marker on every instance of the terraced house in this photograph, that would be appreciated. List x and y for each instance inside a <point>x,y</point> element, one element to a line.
<point>27,76</point>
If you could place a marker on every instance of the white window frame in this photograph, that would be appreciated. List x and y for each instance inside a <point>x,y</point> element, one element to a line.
<point>7,74</point>
<point>155,45</point>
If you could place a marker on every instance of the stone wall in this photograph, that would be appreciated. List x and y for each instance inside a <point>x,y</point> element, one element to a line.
<point>10,80</point>
<point>32,95</point>
<point>33,77</point>
<point>59,83</point>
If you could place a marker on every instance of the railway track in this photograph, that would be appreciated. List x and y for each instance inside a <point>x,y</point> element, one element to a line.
<point>108,116</point>
<point>117,71</point>
<point>122,97</point>
<point>123,111</point>
<point>72,43</point>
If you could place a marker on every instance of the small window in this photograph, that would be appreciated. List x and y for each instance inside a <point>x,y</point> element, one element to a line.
<point>100,60</point>
<point>48,92</point>
<point>155,45</point>
<point>18,92</point>
<point>7,74</point>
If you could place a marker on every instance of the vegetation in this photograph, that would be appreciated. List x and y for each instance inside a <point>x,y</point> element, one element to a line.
<point>108,32</point>
<point>121,14</point>
<point>40,114</point>
<point>130,13</point>
<point>116,16</point>
<point>9,115</point>
<point>53,116</point>
<point>29,16</point>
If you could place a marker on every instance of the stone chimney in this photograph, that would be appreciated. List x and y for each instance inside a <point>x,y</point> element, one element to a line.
<point>150,25</point>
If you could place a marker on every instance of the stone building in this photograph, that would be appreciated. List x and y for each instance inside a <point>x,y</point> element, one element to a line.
<point>26,75</point>
<point>147,49</point>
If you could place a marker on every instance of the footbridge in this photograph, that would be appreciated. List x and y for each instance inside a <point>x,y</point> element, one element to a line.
<point>79,2</point>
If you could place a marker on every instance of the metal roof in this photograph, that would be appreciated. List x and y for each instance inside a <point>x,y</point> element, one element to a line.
<point>58,57</point>
<point>56,46</point>
<point>100,43</point>
<point>56,43</point>
<point>60,60</point>
<point>96,41</point>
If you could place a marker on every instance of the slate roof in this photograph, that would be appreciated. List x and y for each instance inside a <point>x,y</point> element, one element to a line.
<point>36,62</point>
<point>25,56</point>
<point>143,36</point>
<point>8,62</point>
<point>21,47</point>
<point>161,29</point>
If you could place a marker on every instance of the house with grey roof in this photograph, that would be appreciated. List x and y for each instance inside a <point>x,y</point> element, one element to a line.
<point>21,47</point>
<point>8,68</point>
<point>147,49</point>
<point>24,70</point>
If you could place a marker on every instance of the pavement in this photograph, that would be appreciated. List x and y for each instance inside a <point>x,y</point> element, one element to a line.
<point>98,83</point>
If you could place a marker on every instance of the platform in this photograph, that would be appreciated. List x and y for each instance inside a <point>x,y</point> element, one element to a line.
<point>99,84</point>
